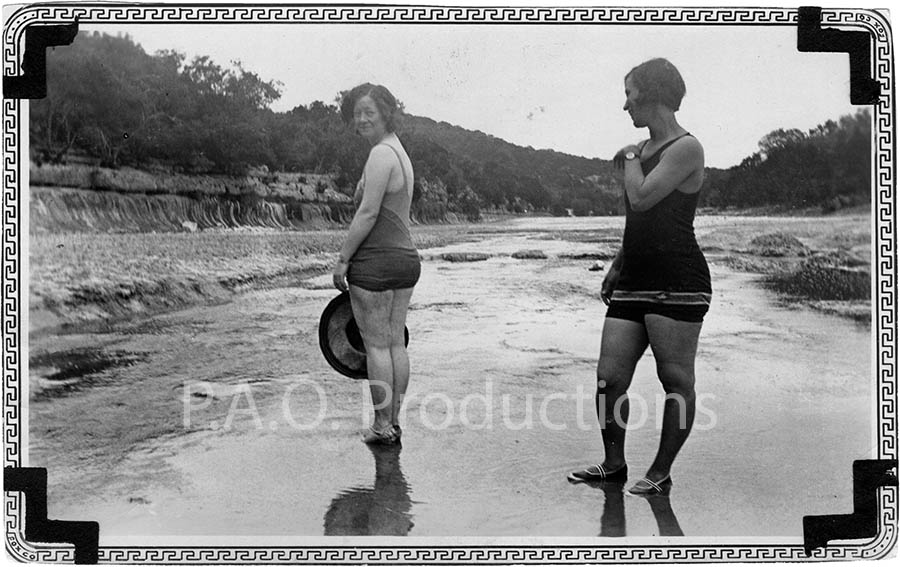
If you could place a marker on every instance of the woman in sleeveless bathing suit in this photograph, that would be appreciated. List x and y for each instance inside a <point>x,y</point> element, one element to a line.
<point>378,262</point>
<point>658,287</point>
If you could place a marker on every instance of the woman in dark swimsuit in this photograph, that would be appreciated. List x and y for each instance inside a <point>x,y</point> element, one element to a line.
<point>658,288</point>
<point>378,262</point>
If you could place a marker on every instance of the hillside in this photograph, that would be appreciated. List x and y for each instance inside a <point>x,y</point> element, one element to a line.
<point>516,177</point>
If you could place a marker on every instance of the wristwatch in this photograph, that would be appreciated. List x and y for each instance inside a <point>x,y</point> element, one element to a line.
<point>630,156</point>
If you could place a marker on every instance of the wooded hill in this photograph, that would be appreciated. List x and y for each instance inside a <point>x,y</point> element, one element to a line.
<point>110,100</point>
<point>827,167</point>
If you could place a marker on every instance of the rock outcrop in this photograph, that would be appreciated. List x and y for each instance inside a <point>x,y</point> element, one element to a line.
<point>84,198</point>
<point>58,209</point>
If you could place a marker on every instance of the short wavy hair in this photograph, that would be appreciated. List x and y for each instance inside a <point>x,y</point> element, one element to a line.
<point>387,104</point>
<point>657,80</point>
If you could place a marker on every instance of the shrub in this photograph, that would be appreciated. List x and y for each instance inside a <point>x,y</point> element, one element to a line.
<point>581,207</point>
<point>558,210</point>
<point>826,277</point>
<point>778,244</point>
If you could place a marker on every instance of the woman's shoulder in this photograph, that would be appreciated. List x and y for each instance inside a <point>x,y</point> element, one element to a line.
<point>687,151</point>
<point>689,144</point>
<point>382,155</point>
<point>381,149</point>
<point>387,151</point>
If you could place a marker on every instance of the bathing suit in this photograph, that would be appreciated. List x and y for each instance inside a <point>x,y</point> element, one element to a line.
<point>663,269</point>
<point>387,258</point>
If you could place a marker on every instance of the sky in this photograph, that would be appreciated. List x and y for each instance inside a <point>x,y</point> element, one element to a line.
<point>554,87</point>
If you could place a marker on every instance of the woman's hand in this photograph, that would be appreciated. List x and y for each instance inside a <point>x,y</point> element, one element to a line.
<point>619,159</point>
<point>339,275</point>
<point>609,284</point>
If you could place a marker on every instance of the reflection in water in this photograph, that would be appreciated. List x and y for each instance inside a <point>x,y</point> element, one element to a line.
<point>380,510</point>
<point>665,517</point>
<point>612,522</point>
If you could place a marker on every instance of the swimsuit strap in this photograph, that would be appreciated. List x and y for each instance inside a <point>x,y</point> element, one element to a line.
<point>666,145</point>
<point>402,169</point>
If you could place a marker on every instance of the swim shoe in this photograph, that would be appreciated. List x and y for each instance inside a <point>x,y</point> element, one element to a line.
<point>647,487</point>
<point>597,473</point>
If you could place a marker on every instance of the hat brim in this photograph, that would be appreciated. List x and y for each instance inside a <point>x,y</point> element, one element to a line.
<point>340,341</point>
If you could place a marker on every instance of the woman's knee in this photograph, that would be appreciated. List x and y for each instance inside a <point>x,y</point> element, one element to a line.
<point>376,336</point>
<point>398,338</point>
<point>611,378</point>
<point>677,379</point>
<point>398,317</point>
<point>381,333</point>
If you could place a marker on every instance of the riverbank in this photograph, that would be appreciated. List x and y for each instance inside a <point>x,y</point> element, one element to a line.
<point>95,279</point>
<point>817,262</point>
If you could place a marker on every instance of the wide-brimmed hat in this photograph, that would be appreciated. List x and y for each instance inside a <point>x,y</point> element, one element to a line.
<point>340,340</point>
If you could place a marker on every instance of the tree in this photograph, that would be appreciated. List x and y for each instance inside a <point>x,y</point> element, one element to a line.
<point>780,139</point>
<point>97,97</point>
<point>827,166</point>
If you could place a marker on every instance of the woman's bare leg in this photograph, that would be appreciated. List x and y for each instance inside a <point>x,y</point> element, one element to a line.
<point>372,311</point>
<point>674,345</point>
<point>622,345</point>
<point>399,356</point>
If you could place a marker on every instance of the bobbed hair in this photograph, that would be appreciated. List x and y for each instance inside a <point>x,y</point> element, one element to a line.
<point>383,99</point>
<point>657,80</point>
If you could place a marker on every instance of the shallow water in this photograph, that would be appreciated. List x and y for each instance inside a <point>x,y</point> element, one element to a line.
<point>226,420</point>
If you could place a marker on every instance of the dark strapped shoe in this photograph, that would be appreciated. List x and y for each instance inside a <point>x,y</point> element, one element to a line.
<point>597,473</point>
<point>647,487</point>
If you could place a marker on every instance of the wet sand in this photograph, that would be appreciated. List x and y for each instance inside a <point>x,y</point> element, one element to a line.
<point>499,409</point>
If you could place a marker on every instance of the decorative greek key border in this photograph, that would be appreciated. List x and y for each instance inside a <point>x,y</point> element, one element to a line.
<point>884,305</point>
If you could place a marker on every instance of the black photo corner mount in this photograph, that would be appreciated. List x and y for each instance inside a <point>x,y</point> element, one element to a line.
<point>811,37</point>
<point>868,477</point>
<point>32,83</point>
<point>32,483</point>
